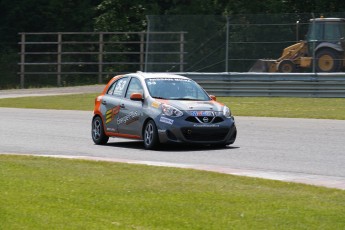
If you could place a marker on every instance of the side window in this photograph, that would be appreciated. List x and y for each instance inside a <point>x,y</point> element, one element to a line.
<point>316,31</point>
<point>111,88</point>
<point>134,87</point>
<point>332,32</point>
<point>119,87</point>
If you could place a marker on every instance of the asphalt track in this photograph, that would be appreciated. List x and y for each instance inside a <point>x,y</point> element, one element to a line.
<point>307,151</point>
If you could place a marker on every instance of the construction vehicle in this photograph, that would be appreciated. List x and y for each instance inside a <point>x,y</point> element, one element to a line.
<point>325,41</point>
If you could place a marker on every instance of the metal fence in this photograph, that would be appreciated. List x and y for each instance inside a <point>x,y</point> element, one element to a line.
<point>75,54</point>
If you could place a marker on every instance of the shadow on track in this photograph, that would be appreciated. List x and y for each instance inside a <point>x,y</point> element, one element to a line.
<point>169,147</point>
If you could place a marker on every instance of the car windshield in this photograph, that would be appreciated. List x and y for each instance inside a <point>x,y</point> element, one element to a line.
<point>176,89</point>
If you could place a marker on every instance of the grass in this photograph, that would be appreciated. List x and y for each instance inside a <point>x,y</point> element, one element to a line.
<point>320,108</point>
<point>62,102</point>
<point>42,193</point>
<point>326,108</point>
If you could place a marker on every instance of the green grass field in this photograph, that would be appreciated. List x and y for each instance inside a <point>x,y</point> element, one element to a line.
<point>47,193</point>
<point>325,108</point>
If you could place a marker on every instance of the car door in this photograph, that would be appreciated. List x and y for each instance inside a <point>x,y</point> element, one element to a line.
<point>131,114</point>
<point>111,104</point>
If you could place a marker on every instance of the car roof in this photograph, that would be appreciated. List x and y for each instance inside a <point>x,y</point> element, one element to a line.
<point>155,75</point>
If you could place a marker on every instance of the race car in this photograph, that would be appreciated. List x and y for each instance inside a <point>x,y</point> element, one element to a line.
<point>160,108</point>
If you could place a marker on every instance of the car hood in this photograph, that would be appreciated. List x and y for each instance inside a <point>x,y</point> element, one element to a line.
<point>196,105</point>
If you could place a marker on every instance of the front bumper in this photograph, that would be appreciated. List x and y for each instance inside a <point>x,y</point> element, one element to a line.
<point>180,130</point>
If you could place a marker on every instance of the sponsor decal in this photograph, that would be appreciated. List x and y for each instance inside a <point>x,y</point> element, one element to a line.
<point>111,113</point>
<point>202,113</point>
<point>153,80</point>
<point>155,104</point>
<point>206,125</point>
<point>151,83</point>
<point>111,130</point>
<point>166,120</point>
<point>129,118</point>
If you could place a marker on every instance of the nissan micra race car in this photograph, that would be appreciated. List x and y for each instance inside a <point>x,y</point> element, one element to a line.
<point>160,108</point>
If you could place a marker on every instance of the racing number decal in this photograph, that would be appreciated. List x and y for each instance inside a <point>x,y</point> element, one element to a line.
<point>120,86</point>
<point>110,114</point>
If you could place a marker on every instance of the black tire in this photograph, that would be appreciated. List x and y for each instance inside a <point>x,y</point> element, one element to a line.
<point>97,132</point>
<point>286,66</point>
<point>150,135</point>
<point>327,60</point>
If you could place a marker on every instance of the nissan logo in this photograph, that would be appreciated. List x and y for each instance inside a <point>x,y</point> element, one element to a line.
<point>205,119</point>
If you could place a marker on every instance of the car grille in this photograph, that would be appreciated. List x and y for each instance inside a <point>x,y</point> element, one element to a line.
<point>200,118</point>
<point>204,134</point>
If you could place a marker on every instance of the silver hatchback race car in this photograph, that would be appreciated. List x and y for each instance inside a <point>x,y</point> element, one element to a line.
<point>161,108</point>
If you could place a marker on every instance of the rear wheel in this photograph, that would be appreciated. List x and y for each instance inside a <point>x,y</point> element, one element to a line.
<point>328,60</point>
<point>150,135</point>
<point>286,66</point>
<point>97,132</point>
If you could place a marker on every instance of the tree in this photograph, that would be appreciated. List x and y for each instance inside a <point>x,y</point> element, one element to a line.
<point>316,6</point>
<point>44,15</point>
<point>37,16</point>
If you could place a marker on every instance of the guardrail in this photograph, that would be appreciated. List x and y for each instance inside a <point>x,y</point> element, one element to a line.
<point>272,85</point>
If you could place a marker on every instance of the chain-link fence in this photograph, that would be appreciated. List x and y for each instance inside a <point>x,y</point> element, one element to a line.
<point>235,43</point>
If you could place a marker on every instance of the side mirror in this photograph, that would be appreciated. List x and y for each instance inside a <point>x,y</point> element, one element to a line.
<point>213,97</point>
<point>136,97</point>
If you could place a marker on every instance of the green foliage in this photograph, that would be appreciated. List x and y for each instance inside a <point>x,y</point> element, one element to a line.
<point>37,16</point>
<point>317,6</point>
<point>41,15</point>
<point>8,67</point>
<point>120,16</point>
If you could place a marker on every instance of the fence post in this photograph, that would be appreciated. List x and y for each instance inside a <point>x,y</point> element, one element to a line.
<point>100,58</point>
<point>142,46</point>
<point>227,45</point>
<point>59,51</point>
<point>314,40</point>
<point>181,50</point>
<point>22,61</point>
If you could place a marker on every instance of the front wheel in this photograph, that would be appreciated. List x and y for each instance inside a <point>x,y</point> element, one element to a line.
<point>328,60</point>
<point>150,135</point>
<point>97,132</point>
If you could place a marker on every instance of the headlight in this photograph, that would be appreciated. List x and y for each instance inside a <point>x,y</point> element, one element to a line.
<point>226,112</point>
<point>171,111</point>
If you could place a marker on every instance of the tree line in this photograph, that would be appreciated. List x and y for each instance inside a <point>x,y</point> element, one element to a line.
<point>120,15</point>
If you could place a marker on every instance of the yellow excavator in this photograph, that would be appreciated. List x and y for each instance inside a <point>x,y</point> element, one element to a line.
<point>325,41</point>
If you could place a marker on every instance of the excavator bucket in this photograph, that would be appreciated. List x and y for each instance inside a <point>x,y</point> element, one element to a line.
<point>262,65</point>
